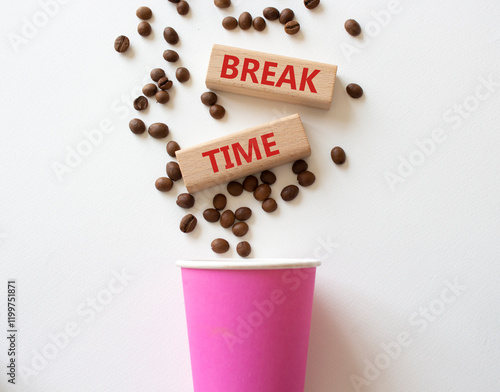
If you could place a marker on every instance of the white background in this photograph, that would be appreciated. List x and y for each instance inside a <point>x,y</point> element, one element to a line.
<point>387,253</point>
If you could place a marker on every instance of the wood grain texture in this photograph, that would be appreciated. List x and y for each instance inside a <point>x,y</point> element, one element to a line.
<point>270,76</point>
<point>243,153</point>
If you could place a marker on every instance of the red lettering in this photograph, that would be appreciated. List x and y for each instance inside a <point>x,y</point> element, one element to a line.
<point>247,156</point>
<point>266,73</point>
<point>267,144</point>
<point>308,79</point>
<point>226,66</point>
<point>213,161</point>
<point>227,157</point>
<point>249,71</point>
<point>289,71</point>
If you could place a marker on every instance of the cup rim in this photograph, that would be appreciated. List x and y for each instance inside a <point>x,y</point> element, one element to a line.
<point>248,264</point>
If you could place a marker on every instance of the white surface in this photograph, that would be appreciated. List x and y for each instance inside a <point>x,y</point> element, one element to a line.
<point>248,263</point>
<point>385,253</point>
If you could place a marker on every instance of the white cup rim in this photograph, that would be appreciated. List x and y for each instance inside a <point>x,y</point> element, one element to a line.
<point>248,264</point>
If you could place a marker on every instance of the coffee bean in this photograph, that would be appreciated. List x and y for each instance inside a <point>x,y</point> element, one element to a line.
<point>269,205</point>
<point>170,35</point>
<point>229,23</point>
<point>250,183</point>
<point>292,27</point>
<point>209,98</point>
<point>354,90</point>
<point>338,155</point>
<point>289,192</point>
<point>234,188</point>
<point>352,27</point>
<point>185,200</point>
<point>211,215</point>
<point>172,147</point>
<point>259,23</point>
<point>182,74</point>
<point>164,184</point>
<point>171,56</point>
<point>286,16</point>
<point>174,171</point>
<point>240,229</point>
<point>299,166</point>
<point>182,7</point>
<point>311,4</point>
<point>137,126</point>
<point>144,13</point>
<point>220,245</point>
<point>243,213</point>
<point>220,201</point>
<point>121,44</point>
<point>268,177</point>
<point>164,83</point>
<point>157,74</point>
<point>244,249</point>
<point>149,89</point>
<point>144,29</point>
<point>162,96</point>
<point>217,111</point>
<point>262,192</point>
<point>158,130</point>
<point>306,178</point>
<point>271,13</point>
<point>227,219</point>
<point>222,3</point>
<point>188,223</point>
<point>245,21</point>
<point>141,103</point>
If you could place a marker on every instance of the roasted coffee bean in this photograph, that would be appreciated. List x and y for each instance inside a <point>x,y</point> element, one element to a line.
<point>244,249</point>
<point>162,96</point>
<point>188,223</point>
<point>259,23</point>
<point>170,35</point>
<point>211,215</point>
<point>182,7</point>
<point>286,16</point>
<point>222,3</point>
<point>164,184</point>
<point>240,229</point>
<point>245,21</point>
<point>144,29</point>
<point>182,74</point>
<point>299,166</point>
<point>229,23</point>
<point>352,27</point>
<point>172,147</point>
<point>292,27</point>
<point>250,183</point>
<point>243,213</point>
<point>141,103</point>
<point>121,44</point>
<point>271,13</point>
<point>217,111</point>
<point>338,155</point>
<point>157,74</point>
<point>174,171</point>
<point>220,201</point>
<point>149,89</point>
<point>289,192</point>
<point>220,245</point>
<point>158,130</point>
<point>262,192</point>
<point>268,177</point>
<point>354,90</point>
<point>269,205</point>
<point>209,98</point>
<point>311,4</point>
<point>137,126</point>
<point>164,83</point>
<point>306,178</point>
<point>234,188</point>
<point>227,219</point>
<point>185,200</point>
<point>171,56</point>
<point>144,13</point>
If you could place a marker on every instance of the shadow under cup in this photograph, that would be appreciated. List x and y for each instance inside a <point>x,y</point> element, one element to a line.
<point>248,323</point>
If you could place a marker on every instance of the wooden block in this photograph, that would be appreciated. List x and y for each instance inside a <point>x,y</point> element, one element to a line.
<point>270,76</point>
<point>243,153</point>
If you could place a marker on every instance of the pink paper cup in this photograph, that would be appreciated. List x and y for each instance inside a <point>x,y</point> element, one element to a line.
<point>248,323</point>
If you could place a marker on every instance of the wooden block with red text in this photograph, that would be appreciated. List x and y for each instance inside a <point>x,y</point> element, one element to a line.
<point>243,153</point>
<point>270,76</point>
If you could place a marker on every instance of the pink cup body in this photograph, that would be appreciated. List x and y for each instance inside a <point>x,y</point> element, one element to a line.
<point>248,329</point>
